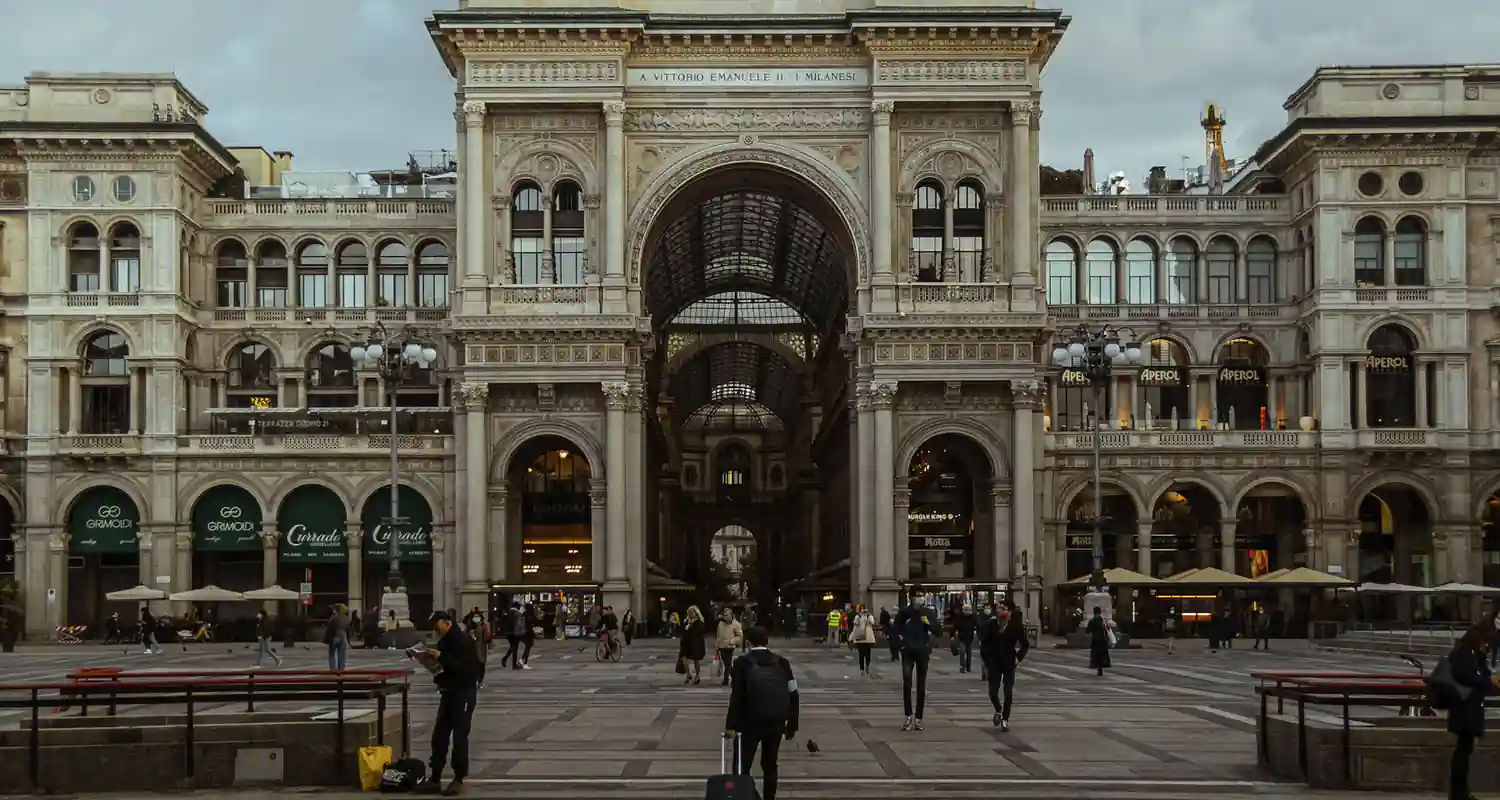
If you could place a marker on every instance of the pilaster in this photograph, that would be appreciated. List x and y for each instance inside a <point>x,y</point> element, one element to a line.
<point>354,540</point>
<point>888,574</point>
<point>474,398</point>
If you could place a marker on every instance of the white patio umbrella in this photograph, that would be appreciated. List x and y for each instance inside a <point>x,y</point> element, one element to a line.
<point>272,593</point>
<point>1465,588</point>
<point>208,594</point>
<point>1392,588</point>
<point>137,594</point>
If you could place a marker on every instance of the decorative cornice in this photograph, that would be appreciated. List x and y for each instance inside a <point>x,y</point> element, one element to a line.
<point>673,120</point>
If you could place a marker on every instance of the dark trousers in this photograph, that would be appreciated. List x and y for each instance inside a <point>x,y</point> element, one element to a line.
<point>1000,677</point>
<point>526,643</point>
<point>1458,768</point>
<point>1259,640</point>
<point>895,645</point>
<point>511,640</point>
<point>966,655</point>
<point>482,666</point>
<point>768,742</point>
<point>726,659</point>
<point>864,654</point>
<point>455,712</point>
<point>914,662</point>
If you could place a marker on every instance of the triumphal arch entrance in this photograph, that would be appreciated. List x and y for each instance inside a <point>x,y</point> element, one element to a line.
<point>764,268</point>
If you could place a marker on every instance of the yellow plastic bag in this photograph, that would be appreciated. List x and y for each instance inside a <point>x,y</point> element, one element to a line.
<point>372,763</point>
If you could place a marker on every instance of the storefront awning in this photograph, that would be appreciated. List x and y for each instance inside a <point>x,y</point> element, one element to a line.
<point>1303,576</point>
<point>1118,577</point>
<point>1391,588</point>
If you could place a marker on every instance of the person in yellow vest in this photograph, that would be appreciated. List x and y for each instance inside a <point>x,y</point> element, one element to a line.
<point>835,624</point>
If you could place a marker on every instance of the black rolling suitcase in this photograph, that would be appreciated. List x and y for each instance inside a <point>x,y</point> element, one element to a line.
<point>727,785</point>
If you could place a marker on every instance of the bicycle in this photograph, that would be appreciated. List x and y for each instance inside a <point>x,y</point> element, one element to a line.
<point>608,649</point>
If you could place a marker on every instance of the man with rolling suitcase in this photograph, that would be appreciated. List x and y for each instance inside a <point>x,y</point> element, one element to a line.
<point>763,709</point>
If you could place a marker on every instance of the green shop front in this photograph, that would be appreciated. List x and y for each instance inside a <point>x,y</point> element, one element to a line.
<point>227,544</point>
<point>312,556</point>
<point>104,555</point>
<point>413,534</point>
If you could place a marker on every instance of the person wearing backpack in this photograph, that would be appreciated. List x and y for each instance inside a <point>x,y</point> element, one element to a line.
<point>763,707</point>
<point>1461,692</point>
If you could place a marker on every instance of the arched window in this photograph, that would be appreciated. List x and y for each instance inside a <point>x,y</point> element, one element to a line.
<point>83,258</point>
<point>271,275</point>
<point>1260,271</point>
<point>734,466</point>
<point>105,385</point>
<point>124,258</point>
<point>1369,252</point>
<point>1243,390</point>
<point>232,274</point>
<point>1182,268</point>
<point>1099,265</point>
<point>1220,255</point>
<point>944,476</point>
<point>392,289</point>
<point>1411,252</point>
<point>330,378</point>
<point>968,231</point>
<point>1140,272</point>
<point>1062,273</point>
<point>312,275</point>
<point>353,270</point>
<point>1165,388</point>
<point>927,232</point>
<point>1391,378</point>
<point>527,211</point>
<point>251,377</point>
<point>567,233</point>
<point>432,275</point>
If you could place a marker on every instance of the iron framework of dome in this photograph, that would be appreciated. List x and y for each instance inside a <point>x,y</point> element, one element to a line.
<point>737,386</point>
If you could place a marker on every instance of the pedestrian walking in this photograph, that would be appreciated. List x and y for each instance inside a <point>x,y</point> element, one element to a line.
<point>264,631</point>
<point>764,707</point>
<point>1003,645</point>
<point>862,636</point>
<point>835,619</point>
<point>915,626</point>
<point>1262,631</point>
<point>1169,629</point>
<point>965,625</point>
<point>336,637</point>
<point>457,681</point>
<point>627,626</point>
<point>892,641</point>
<point>1468,682</point>
<point>691,649</point>
<point>1101,639</point>
<point>479,631</point>
<point>515,625</point>
<point>148,631</point>
<point>528,634</point>
<point>727,638</point>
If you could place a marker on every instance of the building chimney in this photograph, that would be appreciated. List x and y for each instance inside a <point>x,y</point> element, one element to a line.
<point>1088,171</point>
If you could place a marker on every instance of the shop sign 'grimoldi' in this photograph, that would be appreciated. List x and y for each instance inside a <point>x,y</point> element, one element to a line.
<point>110,517</point>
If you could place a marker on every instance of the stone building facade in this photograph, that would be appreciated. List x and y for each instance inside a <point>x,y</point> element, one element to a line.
<point>792,273</point>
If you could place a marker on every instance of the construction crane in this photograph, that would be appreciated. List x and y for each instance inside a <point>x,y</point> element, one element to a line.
<point>1213,134</point>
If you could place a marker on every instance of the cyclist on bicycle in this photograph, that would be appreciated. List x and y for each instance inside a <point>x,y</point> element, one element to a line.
<point>609,624</point>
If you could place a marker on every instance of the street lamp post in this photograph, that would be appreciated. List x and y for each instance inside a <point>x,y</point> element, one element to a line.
<point>1096,354</point>
<point>395,355</point>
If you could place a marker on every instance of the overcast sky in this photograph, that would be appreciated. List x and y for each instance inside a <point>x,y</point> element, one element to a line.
<point>357,84</point>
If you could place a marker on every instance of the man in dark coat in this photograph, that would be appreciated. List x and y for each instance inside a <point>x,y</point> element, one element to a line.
<point>1470,664</point>
<point>1002,647</point>
<point>457,683</point>
<point>1098,630</point>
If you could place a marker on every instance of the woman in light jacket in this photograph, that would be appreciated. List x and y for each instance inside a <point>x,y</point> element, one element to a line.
<point>862,636</point>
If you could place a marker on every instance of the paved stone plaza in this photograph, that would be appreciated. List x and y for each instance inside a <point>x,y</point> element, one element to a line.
<point>1157,726</point>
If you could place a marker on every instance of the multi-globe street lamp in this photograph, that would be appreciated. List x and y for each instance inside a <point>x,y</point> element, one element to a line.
<point>1096,354</point>
<point>396,356</point>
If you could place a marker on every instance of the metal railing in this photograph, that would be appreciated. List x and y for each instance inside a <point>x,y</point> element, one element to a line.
<point>88,688</point>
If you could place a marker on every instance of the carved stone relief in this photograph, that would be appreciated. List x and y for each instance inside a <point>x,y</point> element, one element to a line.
<point>564,397</point>
<point>646,159</point>
<point>718,120</point>
<point>533,354</point>
<point>533,72</point>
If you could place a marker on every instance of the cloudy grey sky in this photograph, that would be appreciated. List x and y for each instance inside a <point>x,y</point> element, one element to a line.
<point>357,84</point>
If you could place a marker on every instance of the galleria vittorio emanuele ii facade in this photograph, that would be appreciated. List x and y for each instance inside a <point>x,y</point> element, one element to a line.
<point>792,271</point>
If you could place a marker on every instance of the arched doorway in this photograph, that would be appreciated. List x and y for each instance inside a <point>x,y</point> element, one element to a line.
<point>104,554</point>
<point>554,543</point>
<point>412,535</point>
<point>228,550</point>
<point>1184,530</point>
<point>1395,546</point>
<point>746,275</point>
<point>8,518</point>
<point>1268,527</point>
<point>1166,391</point>
<point>1243,386</point>
<point>1117,524</point>
<point>949,529</point>
<point>732,550</point>
<point>312,521</point>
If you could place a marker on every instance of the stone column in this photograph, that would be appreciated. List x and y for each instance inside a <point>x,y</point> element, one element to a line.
<point>1421,405</point>
<point>472,227</point>
<point>1143,549</point>
<point>901,505</point>
<point>1004,554</point>
<point>354,542</point>
<point>442,596</point>
<point>1022,187</point>
<point>146,564</point>
<point>885,585</point>
<point>182,560</point>
<point>635,493</point>
<point>270,561</point>
<point>1026,397</point>
<point>883,193</point>
<point>614,193</point>
<point>57,582</point>
<point>475,590</point>
<point>617,400</point>
<point>1362,395</point>
<point>598,524</point>
<point>864,490</point>
<point>950,257</point>
<point>1226,546</point>
<point>75,401</point>
<point>498,536</point>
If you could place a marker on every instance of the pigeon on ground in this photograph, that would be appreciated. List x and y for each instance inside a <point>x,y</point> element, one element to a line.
<point>812,746</point>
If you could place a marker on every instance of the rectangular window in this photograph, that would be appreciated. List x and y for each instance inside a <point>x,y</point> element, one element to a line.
<point>1140,283</point>
<point>271,297</point>
<point>312,290</point>
<point>125,275</point>
<point>567,259</point>
<point>1409,268</point>
<point>1062,284</point>
<point>969,253</point>
<point>1260,282</point>
<point>1369,266</point>
<point>1180,282</point>
<point>432,289</point>
<point>527,254</point>
<point>105,409</point>
<point>83,282</point>
<point>1221,280</point>
<point>1101,283</point>
<point>391,292</point>
<point>354,289</point>
<point>233,293</point>
<point>927,252</point>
